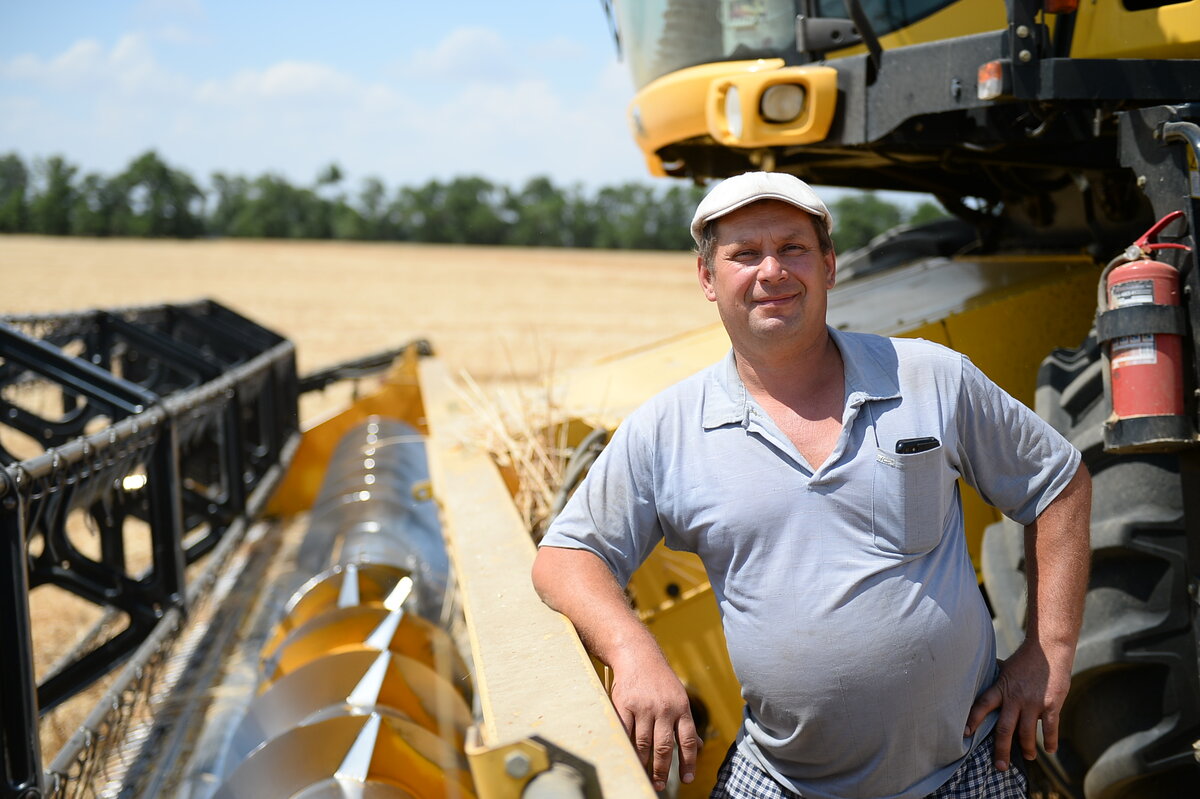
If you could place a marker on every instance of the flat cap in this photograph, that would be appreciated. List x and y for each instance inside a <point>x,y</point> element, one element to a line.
<point>750,187</point>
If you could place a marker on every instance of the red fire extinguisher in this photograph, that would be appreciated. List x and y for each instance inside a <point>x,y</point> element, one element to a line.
<point>1146,368</point>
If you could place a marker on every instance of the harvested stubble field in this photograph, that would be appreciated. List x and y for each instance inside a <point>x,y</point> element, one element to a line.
<point>500,314</point>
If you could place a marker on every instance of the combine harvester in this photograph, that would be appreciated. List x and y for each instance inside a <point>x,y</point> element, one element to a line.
<point>348,611</point>
<point>1062,136</point>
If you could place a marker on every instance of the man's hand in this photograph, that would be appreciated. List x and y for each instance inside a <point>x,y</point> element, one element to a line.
<point>648,697</point>
<point>654,708</point>
<point>1031,686</point>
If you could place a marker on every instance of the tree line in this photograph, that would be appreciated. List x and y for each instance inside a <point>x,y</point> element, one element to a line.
<point>150,198</point>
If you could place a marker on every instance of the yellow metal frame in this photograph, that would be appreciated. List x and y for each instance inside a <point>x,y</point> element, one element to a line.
<point>689,103</point>
<point>532,674</point>
<point>1110,30</point>
<point>963,18</point>
<point>672,108</point>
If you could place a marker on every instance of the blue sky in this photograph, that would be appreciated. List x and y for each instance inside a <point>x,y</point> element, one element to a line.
<point>402,90</point>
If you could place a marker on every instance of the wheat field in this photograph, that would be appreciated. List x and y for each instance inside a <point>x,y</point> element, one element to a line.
<point>496,312</point>
<point>499,314</point>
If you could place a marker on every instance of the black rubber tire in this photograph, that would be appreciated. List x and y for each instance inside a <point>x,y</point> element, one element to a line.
<point>1133,712</point>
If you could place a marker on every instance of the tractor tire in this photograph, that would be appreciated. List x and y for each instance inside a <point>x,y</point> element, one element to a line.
<point>1133,711</point>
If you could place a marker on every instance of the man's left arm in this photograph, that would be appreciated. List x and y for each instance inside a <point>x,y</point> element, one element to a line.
<point>1033,682</point>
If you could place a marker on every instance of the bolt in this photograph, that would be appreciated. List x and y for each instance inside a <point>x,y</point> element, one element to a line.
<point>955,88</point>
<point>1022,32</point>
<point>1141,181</point>
<point>1025,56</point>
<point>517,765</point>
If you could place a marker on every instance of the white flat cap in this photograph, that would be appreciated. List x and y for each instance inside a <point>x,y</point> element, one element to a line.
<point>750,187</point>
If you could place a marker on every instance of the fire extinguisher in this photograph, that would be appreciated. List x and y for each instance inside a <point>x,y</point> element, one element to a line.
<point>1142,323</point>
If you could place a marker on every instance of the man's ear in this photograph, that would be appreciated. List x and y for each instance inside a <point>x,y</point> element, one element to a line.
<point>830,269</point>
<point>706,280</point>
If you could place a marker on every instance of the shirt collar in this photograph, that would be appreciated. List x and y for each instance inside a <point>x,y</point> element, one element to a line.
<point>870,364</point>
<point>867,378</point>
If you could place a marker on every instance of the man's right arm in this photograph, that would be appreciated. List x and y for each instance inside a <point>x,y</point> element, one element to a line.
<point>648,697</point>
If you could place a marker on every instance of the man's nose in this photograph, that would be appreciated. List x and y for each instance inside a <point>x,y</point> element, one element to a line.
<point>771,268</point>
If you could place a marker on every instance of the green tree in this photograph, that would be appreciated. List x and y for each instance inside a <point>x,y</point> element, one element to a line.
<point>671,215</point>
<point>926,212</point>
<point>621,217</point>
<point>371,220</point>
<point>860,217</point>
<point>583,218</point>
<point>14,186</point>
<point>472,207</point>
<point>101,208</point>
<point>232,197</point>
<point>164,201</point>
<point>538,215</point>
<point>423,209</point>
<point>330,176</point>
<point>50,210</point>
<point>276,209</point>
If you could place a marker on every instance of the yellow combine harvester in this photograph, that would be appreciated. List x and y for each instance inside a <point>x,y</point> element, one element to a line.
<point>348,611</point>
<point>1055,132</point>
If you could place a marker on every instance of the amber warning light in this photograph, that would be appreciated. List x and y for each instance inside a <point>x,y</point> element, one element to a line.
<point>990,81</point>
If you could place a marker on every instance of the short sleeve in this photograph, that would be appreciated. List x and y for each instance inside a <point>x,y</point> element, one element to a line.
<point>613,513</point>
<point>1010,455</point>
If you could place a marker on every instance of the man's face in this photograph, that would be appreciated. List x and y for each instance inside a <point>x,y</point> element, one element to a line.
<point>770,279</point>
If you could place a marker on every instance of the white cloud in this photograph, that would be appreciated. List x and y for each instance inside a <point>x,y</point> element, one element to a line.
<point>465,54</point>
<point>76,65</point>
<point>475,108</point>
<point>287,81</point>
<point>85,67</point>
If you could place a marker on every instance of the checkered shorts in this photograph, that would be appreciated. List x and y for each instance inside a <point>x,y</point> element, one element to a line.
<point>742,778</point>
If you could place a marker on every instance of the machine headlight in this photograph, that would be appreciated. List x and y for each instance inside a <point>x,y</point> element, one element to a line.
<point>782,102</point>
<point>733,112</point>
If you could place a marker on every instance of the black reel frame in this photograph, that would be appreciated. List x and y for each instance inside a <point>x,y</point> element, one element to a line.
<point>166,420</point>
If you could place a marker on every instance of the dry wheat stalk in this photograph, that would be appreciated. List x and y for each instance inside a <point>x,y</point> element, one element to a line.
<point>520,428</point>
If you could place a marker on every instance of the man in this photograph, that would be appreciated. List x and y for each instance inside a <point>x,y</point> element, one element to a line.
<point>813,471</point>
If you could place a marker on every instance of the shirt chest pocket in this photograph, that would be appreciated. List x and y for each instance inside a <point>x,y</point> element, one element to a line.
<point>908,500</point>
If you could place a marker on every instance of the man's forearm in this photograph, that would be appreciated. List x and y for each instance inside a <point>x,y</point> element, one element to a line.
<point>1034,681</point>
<point>648,697</point>
<point>1057,560</point>
<point>579,585</point>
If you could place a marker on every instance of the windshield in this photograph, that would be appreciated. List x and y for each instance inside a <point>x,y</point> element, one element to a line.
<point>662,36</point>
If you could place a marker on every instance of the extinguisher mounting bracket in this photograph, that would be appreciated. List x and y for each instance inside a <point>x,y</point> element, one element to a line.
<point>1136,320</point>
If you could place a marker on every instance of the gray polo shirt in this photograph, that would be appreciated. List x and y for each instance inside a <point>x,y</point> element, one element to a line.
<point>850,607</point>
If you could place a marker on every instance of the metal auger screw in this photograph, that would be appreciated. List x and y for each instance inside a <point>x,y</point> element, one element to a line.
<point>517,765</point>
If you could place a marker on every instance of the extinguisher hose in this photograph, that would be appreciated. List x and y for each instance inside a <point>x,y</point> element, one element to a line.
<point>1102,285</point>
